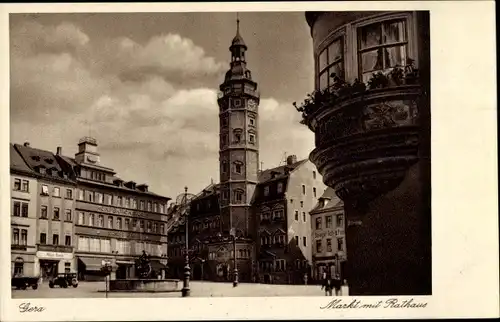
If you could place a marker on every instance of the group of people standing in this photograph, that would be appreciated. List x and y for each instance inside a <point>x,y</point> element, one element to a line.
<point>329,284</point>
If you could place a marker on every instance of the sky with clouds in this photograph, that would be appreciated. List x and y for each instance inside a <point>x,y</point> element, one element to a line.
<point>145,86</point>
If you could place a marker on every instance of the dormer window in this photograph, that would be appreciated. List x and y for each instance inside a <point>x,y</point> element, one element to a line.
<point>280,187</point>
<point>49,161</point>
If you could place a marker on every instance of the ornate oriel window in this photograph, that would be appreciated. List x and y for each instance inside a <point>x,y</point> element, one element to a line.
<point>381,47</point>
<point>331,60</point>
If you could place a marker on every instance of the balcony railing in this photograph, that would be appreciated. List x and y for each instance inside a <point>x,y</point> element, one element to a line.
<point>18,247</point>
<point>56,248</point>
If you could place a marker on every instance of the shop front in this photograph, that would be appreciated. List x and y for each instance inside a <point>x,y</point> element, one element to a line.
<point>53,263</point>
<point>89,268</point>
<point>125,269</point>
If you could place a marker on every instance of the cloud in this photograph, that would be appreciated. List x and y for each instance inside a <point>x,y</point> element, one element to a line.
<point>152,106</point>
<point>169,56</point>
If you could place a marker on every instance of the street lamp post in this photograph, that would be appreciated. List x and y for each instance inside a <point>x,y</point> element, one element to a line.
<point>235,281</point>
<point>187,270</point>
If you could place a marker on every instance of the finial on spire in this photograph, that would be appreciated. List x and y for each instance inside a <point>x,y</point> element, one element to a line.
<point>237,23</point>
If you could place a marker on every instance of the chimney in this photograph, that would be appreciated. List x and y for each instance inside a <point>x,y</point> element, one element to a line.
<point>27,144</point>
<point>291,159</point>
<point>59,150</point>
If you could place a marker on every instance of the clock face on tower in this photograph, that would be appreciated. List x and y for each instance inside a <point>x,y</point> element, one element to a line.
<point>252,104</point>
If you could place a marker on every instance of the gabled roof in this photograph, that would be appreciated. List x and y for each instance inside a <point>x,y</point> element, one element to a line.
<point>329,200</point>
<point>17,162</point>
<point>278,172</point>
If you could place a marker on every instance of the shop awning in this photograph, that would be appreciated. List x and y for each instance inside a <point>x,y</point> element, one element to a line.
<point>125,262</point>
<point>92,263</point>
<point>157,266</point>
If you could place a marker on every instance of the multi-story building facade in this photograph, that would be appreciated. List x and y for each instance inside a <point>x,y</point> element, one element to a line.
<point>372,133</point>
<point>55,207</point>
<point>328,236</point>
<point>283,199</point>
<point>115,220</point>
<point>24,194</point>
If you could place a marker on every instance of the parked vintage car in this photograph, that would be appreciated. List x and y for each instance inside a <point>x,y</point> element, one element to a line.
<point>23,282</point>
<point>64,280</point>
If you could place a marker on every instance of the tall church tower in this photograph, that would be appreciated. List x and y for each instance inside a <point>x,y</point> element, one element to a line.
<point>239,141</point>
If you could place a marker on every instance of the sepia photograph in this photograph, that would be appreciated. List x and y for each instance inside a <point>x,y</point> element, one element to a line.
<point>222,154</point>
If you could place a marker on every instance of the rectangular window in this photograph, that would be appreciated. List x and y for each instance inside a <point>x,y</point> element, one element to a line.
<point>127,223</point>
<point>330,61</point>
<point>297,240</point>
<point>101,221</point>
<point>303,189</point>
<point>319,246</point>
<point>134,203</point>
<point>304,217</point>
<point>328,245</point>
<point>43,212</point>
<point>68,215</point>
<point>141,224</point>
<point>162,208</point>
<point>67,240</point>
<point>15,236</point>
<point>301,204</point>
<point>314,174</point>
<point>119,201</point>
<point>328,222</point>
<point>45,190</point>
<point>318,223</point>
<point>91,220</point>
<point>155,207</point>
<point>80,218</point>
<point>280,187</point>
<point>43,238</point>
<point>80,194</point>
<point>155,228</point>
<point>17,184</point>
<point>237,168</point>
<point>314,192</point>
<point>296,215</point>
<point>127,202</point>
<point>26,186</point>
<point>252,138</point>
<point>24,237</point>
<point>17,209</point>
<point>57,192</point>
<point>56,213</point>
<point>162,229</point>
<point>83,244</point>
<point>149,206</point>
<point>105,245</point>
<point>266,191</point>
<point>69,194</point>
<point>340,244</point>
<point>382,46</point>
<point>304,241</point>
<point>340,221</point>
<point>98,197</point>
<point>90,196</point>
<point>118,223</point>
<point>141,205</point>
<point>24,210</point>
<point>55,239</point>
<point>110,222</point>
<point>67,267</point>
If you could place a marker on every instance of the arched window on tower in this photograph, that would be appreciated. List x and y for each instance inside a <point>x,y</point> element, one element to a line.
<point>238,135</point>
<point>252,137</point>
<point>224,166</point>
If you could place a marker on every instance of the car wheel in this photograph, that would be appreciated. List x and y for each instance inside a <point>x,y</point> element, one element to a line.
<point>65,285</point>
<point>51,285</point>
<point>75,285</point>
<point>23,287</point>
<point>34,286</point>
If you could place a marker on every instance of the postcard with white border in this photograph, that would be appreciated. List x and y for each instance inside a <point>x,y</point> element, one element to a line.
<point>185,161</point>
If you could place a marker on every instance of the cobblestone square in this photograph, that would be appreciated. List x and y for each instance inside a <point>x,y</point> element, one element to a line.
<point>198,289</point>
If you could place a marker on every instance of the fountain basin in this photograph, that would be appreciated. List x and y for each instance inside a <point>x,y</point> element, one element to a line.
<point>144,285</point>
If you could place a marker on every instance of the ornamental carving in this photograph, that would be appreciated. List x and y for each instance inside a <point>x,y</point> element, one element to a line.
<point>366,142</point>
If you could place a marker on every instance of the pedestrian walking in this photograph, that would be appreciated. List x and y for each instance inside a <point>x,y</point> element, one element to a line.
<point>327,285</point>
<point>337,284</point>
